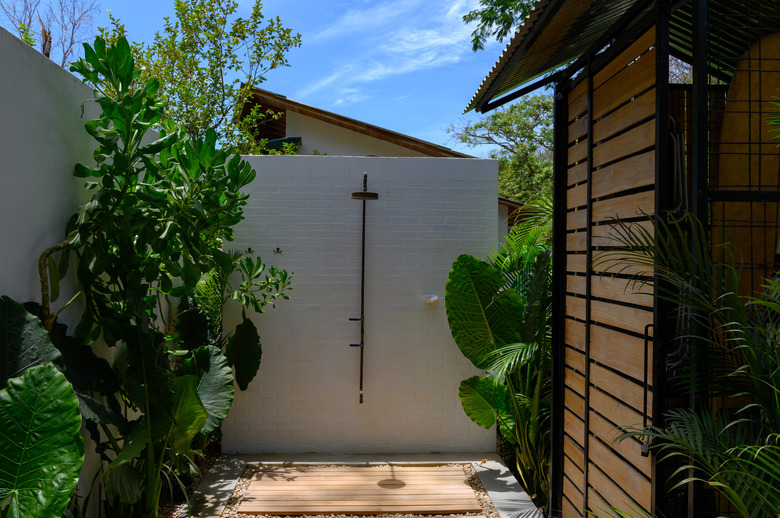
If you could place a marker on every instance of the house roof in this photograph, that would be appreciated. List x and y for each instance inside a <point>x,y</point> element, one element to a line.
<point>558,33</point>
<point>281,103</point>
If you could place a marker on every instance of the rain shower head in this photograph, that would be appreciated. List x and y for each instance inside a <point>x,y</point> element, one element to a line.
<point>364,194</point>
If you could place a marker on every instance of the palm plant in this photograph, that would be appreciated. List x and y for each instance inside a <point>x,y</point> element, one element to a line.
<point>728,439</point>
<point>499,313</point>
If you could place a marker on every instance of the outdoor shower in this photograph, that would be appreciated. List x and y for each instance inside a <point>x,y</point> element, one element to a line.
<point>364,196</point>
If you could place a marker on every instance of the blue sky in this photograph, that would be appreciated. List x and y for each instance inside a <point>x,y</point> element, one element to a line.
<point>405,65</point>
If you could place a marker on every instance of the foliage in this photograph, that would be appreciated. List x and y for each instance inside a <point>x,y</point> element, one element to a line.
<point>64,24</point>
<point>41,451</point>
<point>499,312</point>
<point>521,139</point>
<point>207,62</point>
<point>496,18</point>
<point>160,211</point>
<point>731,364</point>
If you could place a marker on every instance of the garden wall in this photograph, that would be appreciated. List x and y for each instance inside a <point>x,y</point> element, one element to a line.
<point>305,398</point>
<point>42,137</point>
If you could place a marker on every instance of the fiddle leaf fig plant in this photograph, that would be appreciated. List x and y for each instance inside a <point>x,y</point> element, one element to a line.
<point>162,206</point>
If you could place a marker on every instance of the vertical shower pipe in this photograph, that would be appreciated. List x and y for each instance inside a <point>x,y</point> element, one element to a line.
<point>363,195</point>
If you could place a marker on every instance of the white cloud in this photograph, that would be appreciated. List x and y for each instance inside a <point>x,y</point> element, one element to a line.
<point>391,39</point>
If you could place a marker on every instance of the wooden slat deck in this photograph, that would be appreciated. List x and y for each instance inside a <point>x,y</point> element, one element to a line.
<point>365,490</point>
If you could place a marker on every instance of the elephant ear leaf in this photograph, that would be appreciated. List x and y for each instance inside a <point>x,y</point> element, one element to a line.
<point>244,352</point>
<point>482,398</point>
<point>215,384</point>
<point>482,316</point>
<point>41,452</point>
<point>23,341</point>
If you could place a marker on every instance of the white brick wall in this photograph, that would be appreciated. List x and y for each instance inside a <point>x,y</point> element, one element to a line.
<point>305,398</point>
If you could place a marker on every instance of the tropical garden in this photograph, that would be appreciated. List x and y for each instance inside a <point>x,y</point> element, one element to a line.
<point>150,253</point>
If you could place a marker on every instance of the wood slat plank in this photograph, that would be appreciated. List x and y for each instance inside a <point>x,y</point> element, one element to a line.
<point>631,113</point>
<point>605,344</point>
<point>619,414</point>
<point>574,334</point>
<point>569,510</point>
<point>637,489</point>
<point>576,382</point>
<point>637,205</point>
<point>620,290</point>
<point>632,141</point>
<point>578,152</point>
<point>573,426</point>
<point>630,449</point>
<point>574,402</point>
<point>628,83</point>
<point>576,219</point>
<point>577,196</point>
<point>633,172</point>
<point>578,101</point>
<point>578,129</point>
<point>575,307</point>
<point>633,51</point>
<point>576,263</point>
<point>622,317</point>
<point>359,490</point>
<point>577,174</point>
<point>629,392</point>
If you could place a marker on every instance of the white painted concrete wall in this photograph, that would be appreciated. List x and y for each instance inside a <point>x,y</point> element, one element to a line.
<point>336,141</point>
<point>42,137</point>
<point>305,398</point>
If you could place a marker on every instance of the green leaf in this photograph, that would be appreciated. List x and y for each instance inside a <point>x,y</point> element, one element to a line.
<point>41,451</point>
<point>482,398</point>
<point>23,341</point>
<point>189,415</point>
<point>482,318</point>
<point>124,482</point>
<point>215,384</point>
<point>244,352</point>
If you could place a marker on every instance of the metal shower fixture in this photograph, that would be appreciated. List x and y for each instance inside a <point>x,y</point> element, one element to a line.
<point>364,196</point>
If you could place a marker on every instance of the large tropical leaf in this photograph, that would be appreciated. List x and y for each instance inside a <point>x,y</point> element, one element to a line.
<point>244,352</point>
<point>189,416</point>
<point>215,384</point>
<point>23,341</point>
<point>482,398</point>
<point>41,451</point>
<point>482,318</point>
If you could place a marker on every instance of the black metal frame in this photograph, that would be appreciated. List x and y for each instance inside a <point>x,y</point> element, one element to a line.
<point>661,308</point>
<point>560,145</point>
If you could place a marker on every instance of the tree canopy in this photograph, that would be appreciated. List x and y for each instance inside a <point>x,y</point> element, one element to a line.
<point>496,18</point>
<point>207,60</point>
<point>521,139</point>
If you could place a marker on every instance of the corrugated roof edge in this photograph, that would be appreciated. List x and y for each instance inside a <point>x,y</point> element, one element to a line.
<point>508,52</point>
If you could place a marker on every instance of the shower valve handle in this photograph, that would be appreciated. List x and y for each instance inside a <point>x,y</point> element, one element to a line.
<point>355,319</point>
<point>354,345</point>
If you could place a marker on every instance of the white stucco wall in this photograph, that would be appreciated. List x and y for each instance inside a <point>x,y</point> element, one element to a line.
<point>305,398</point>
<point>336,141</point>
<point>42,137</point>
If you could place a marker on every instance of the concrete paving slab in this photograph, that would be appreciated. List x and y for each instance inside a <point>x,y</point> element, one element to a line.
<point>510,500</point>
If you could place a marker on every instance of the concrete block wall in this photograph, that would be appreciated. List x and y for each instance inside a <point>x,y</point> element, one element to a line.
<point>305,398</point>
<point>42,138</point>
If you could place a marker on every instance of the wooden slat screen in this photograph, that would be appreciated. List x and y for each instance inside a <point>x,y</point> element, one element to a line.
<point>605,314</point>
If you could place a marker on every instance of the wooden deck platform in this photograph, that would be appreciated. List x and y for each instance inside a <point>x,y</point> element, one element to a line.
<point>365,490</point>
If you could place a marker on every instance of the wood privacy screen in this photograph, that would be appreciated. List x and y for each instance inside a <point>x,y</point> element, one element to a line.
<point>610,175</point>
